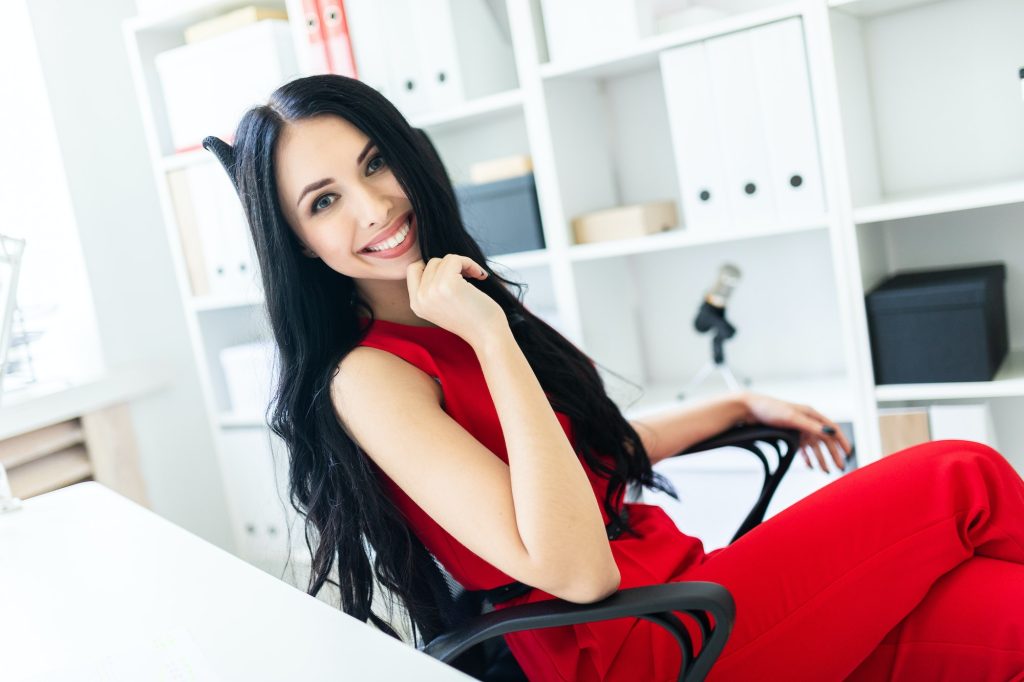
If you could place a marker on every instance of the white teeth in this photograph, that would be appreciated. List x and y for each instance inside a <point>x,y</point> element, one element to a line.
<point>394,241</point>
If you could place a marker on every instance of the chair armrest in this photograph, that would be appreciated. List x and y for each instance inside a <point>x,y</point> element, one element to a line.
<point>784,442</point>
<point>653,602</point>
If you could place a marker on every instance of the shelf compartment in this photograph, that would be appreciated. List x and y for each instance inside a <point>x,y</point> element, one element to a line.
<point>678,239</point>
<point>871,8</point>
<point>51,472</point>
<point>930,100</point>
<point>34,445</point>
<point>475,111</point>
<point>1008,382</point>
<point>211,303</point>
<point>948,201</point>
<point>644,54</point>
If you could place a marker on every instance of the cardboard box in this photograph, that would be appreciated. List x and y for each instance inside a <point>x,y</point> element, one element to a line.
<point>500,169</point>
<point>902,427</point>
<point>230,21</point>
<point>625,222</point>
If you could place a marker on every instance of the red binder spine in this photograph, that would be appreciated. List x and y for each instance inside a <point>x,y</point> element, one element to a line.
<point>340,57</point>
<point>317,41</point>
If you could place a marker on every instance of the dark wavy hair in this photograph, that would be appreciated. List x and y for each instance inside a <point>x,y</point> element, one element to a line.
<point>313,312</point>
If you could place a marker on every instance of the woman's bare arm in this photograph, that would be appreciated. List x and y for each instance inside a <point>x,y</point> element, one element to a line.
<point>537,521</point>
<point>670,432</point>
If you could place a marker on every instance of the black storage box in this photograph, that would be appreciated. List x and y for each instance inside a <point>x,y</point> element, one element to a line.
<point>503,216</point>
<point>939,325</point>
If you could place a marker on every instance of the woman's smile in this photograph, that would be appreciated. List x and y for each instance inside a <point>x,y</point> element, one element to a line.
<point>405,236</point>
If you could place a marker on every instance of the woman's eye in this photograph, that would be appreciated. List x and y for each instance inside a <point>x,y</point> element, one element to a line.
<point>380,158</point>
<point>319,204</point>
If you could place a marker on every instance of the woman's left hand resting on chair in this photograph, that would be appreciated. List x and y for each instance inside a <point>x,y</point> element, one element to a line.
<point>818,433</point>
<point>669,433</point>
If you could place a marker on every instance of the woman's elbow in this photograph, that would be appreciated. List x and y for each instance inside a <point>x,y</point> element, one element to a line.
<point>595,590</point>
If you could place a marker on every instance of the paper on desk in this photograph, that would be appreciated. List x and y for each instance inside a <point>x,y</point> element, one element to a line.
<point>168,656</point>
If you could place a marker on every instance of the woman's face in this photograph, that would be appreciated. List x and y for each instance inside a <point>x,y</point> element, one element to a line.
<point>340,196</point>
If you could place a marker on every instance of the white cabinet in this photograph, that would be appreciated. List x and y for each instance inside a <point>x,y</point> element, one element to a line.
<point>901,118</point>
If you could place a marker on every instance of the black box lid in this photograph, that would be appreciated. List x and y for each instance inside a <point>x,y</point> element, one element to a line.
<point>936,288</point>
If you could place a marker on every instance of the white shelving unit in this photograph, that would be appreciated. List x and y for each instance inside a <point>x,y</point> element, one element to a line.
<point>920,130</point>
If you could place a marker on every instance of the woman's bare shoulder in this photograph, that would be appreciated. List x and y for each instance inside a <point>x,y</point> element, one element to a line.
<point>364,363</point>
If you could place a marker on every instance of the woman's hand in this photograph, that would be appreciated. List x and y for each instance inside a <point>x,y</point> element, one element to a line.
<point>439,293</point>
<point>818,433</point>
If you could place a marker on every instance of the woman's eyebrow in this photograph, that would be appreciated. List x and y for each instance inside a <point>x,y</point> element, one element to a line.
<point>313,186</point>
<point>362,154</point>
<point>326,181</point>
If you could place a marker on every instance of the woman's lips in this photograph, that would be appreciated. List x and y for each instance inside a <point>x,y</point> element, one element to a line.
<point>401,248</point>
<point>389,233</point>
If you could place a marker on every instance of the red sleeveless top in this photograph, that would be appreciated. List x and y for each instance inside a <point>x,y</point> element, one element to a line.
<point>621,649</point>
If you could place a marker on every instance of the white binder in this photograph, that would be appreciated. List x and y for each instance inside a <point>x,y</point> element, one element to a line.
<point>464,50</point>
<point>745,154</point>
<point>223,233</point>
<point>367,30</point>
<point>695,138</point>
<point>780,63</point>
<point>401,38</point>
<point>442,79</point>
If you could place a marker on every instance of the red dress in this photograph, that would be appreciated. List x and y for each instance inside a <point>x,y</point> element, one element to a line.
<point>816,588</point>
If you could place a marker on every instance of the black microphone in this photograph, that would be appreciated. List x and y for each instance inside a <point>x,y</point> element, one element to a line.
<point>728,276</point>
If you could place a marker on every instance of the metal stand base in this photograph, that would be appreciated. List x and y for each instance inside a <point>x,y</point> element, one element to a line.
<point>707,370</point>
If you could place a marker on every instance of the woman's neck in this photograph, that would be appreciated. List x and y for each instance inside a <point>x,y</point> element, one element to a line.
<point>389,301</point>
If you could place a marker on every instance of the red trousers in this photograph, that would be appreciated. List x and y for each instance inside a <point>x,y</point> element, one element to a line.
<point>910,568</point>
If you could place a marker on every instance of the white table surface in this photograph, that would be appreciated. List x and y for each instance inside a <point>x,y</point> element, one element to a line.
<point>96,587</point>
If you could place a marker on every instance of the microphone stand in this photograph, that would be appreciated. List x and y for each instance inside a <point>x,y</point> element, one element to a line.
<point>713,317</point>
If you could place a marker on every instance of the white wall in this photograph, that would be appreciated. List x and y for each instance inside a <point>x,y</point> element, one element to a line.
<point>82,54</point>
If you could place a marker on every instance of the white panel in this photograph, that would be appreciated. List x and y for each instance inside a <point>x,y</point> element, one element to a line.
<point>962,422</point>
<point>734,90</point>
<point>207,86</point>
<point>696,138</point>
<point>580,132</point>
<point>946,92</point>
<point>645,165</point>
<point>367,26</point>
<point>857,110</point>
<point>785,95</point>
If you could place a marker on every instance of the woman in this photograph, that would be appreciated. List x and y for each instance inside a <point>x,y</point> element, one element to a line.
<point>428,412</point>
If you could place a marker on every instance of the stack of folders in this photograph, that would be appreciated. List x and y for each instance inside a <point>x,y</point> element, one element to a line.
<point>906,426</point>
<point>328,39</point>
<point>208,85</point>
<point>215,239</point>
<point>743,130</point>
<point>430,55</point>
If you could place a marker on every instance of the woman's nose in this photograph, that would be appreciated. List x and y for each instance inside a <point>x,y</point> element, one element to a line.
<point>373,210</point>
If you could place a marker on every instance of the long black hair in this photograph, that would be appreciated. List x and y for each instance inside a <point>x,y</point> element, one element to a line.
<point>313,312</point>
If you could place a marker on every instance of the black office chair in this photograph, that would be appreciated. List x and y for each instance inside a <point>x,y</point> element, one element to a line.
<point>475,648</point>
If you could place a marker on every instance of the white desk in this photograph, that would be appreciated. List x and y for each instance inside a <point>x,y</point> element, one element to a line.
<point>90,581</point>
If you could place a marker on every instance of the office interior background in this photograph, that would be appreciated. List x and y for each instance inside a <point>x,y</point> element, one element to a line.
<point>819,146</point>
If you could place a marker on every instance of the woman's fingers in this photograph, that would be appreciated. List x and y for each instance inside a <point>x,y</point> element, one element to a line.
<point>834,449</point>
<point>461,265</point>
<point>413,280</point>
<point>803,451</point>
<point>820,454</point>
<point>837,432</point>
